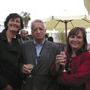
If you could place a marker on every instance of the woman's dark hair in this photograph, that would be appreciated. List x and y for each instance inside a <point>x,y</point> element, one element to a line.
<point>75,31</point>
<point>13,16</point>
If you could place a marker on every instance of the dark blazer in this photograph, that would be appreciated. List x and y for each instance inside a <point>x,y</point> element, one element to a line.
<point>41,77</point>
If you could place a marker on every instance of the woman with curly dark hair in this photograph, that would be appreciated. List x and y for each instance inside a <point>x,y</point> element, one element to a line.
<point>10,53</point>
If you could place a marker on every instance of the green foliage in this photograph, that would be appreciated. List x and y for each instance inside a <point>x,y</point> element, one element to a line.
<point>26,18</point>
<point>62,37</point>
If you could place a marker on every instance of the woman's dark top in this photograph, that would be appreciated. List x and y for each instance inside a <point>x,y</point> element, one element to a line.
<point>9,62</point>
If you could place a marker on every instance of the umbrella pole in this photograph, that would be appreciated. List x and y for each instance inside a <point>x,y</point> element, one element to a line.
<point>66,30</point>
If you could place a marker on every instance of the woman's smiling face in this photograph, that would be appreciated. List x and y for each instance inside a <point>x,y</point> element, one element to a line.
<point>76,41</point>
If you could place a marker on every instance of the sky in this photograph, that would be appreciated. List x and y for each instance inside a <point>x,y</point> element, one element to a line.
<point>42,9</point>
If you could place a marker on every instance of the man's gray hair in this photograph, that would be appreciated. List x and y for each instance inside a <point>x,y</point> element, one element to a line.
<point>37,20</point>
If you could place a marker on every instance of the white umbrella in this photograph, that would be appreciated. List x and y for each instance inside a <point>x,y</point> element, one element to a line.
<point>87,5</point>
<point>65,23</point>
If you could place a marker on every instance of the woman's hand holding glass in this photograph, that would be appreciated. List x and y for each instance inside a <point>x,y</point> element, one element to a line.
<point>61,60</point>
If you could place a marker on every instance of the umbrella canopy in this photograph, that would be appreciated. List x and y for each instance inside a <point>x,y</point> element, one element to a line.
<point>87,5</point>
<point>67,23</point>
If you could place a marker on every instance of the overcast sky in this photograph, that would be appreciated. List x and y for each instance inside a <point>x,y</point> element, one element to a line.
<point>42,9</point>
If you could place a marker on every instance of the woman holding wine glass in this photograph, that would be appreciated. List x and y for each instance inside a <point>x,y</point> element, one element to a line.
<point>75,62</point>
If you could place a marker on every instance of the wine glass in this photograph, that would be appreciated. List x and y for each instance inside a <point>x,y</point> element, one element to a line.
<point>30,68</point>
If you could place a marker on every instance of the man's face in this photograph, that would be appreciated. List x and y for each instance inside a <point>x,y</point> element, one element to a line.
<point>38,31</point>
